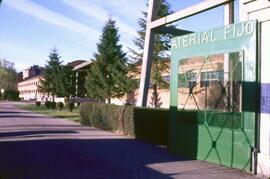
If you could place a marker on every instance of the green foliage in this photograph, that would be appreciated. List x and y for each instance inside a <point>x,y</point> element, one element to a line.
<point>67,82</point>
<point>151,125</point>
<point>81,90</point>
<point>47,104</point>
<point>8,76</point>
<point>160,61</point>
<point>60,106</point>
<point>12,95</point>
<point>38,103</point>
<point>45,86</point>
<point>50,80</point>
<point>57,79</point>
<point>108,117</point>
<point>146,124</point>
<point>69,106</point>
<point>52,105</point>
<point>107,76</point>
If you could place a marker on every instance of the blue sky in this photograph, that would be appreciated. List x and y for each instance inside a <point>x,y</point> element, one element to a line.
<point>30,28</point>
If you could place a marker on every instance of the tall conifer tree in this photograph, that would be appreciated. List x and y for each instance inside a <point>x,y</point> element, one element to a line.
<point>108,74</point>
<point>66,85</point>
<point>49,83</point>
<point>160,55</point>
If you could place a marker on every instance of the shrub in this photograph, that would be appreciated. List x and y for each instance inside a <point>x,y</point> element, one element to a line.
<point>78,104</point>
<point>47,104</point>
<point>12,95</point>
<point>53,105</point>
<point>70,106</point>
<point>150,125</point>
<point>60,105</point>
<point>50,104</point>
<point>38,103</point>
<point>104,116</point>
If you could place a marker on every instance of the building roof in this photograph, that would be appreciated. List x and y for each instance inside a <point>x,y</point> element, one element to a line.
<point>82,65</point>
<point>76,63</point>
<point>30,78</point>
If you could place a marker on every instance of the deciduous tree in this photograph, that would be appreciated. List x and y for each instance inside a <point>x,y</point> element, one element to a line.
<point>7,75</point>
<point>8,80</point>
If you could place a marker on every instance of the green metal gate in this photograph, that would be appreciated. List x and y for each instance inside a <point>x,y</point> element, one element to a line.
<point>213,99</point>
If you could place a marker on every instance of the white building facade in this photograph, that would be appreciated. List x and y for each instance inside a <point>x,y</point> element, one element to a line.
<point>28,89</point>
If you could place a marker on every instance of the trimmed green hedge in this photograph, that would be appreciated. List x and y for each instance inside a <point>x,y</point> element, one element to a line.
<point>150,125</point>
<point>107,117</point>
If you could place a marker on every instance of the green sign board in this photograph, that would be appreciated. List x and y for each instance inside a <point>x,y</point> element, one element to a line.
<point>214,35</point>
<point>240,37</point>
<point>222,135</point>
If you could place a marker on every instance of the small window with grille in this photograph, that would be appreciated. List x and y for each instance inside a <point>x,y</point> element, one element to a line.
<point>211,78</point>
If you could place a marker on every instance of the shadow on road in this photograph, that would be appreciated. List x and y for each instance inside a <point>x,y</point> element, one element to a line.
<point>20,116</point>
<point>23,133</point>
<point>31,149</point>
<point>95,158</point>
<point>14,112</point>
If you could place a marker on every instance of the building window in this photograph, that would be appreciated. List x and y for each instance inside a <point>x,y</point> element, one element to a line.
<point>211,78</point>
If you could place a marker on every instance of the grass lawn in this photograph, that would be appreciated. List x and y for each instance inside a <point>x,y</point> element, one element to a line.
<point>74,115</point>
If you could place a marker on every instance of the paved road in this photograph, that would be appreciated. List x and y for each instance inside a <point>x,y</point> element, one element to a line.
<point>35,146</point>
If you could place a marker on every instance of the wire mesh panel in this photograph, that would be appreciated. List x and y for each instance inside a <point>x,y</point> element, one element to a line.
<point>212,86</point>
<point>213,101</point>
<point>211,82</point>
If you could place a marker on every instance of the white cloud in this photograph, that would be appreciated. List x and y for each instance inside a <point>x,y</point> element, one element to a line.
<point>92,9</point>
<point>51,17</point>
<point>131,9</point>
<point>97,11</point>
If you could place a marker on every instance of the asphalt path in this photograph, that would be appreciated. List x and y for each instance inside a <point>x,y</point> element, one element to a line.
<point>33,146</point>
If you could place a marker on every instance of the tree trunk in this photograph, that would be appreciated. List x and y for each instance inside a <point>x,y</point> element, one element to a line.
<point>48,95</point>
<point>155,94</point>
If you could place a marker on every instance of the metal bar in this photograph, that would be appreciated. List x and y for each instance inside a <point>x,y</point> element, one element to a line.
<point>147,55</point>
<point>228,19</point>
<point>149,37</point>
<point>171,30</point>
<point>190,11</point>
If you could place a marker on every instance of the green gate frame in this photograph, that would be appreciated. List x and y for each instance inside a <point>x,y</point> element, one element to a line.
<point>189,135</point>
